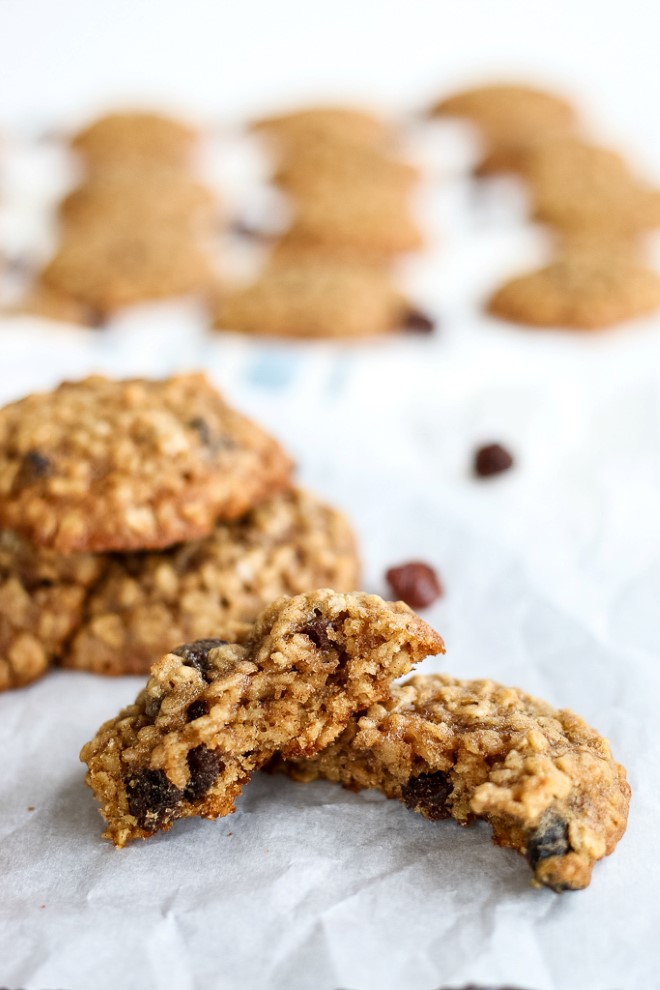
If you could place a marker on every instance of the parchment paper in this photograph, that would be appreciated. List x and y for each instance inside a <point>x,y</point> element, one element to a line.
<point>553,581</point>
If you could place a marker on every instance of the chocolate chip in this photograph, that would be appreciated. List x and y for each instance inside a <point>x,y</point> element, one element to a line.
<point>152,798</point>
<point>428,794</point>
<point>203,430</point>
<point>418,321</point>
<point>152,706</point>
<point>196,709</point>
<point>492,459</point>
<point>243,228</point>
<point>549,839</point>
<point>37,464</point>
<point>205,767</point>
<point>415,583</point>
<point>317,631</point>
<point>197,654</point>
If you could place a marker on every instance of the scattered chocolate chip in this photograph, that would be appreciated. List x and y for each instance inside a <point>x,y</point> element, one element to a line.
<point>152,798</point>
<point>549,839</point>
<point>418,322</point>
<point>492,459</point>
<point>415,583</point>
<point>197,654</point>
<point>202,428</point>
<point>428,794</point>
<point>37,465</point>
<point>317,631</point>
<point>242,228</point>
<point>196,709</point>
<point>152,705</point>
<point>205,767</point>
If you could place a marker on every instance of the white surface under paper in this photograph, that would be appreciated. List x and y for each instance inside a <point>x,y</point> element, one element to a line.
<point>552,574</point>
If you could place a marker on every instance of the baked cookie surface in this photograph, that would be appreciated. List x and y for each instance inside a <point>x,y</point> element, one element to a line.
<point>120,263</point>
<point>346,124</point>
<point>544,780</point>
<point>507,112</point>
<point>322,163</point>
<point>213,712</point>
<point>136,464</point>
<point>42,594</point>
<point>135,138</point>
<point>313,299</point>
<point>582,289</point>
<point>148,603</point>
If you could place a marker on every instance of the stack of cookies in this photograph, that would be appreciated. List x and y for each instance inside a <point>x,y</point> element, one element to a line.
<point>596,207</point>
<point>307,688</point>
<point>138,514</point>
<point>330,274</point>
<point>137,228</point>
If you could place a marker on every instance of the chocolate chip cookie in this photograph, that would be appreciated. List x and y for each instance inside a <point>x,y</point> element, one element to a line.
<point>136,464</point>
<point>42,594</point>
<point>213,712</point>
<point>544,780</point>
<point>582,289</point>
<point>147,603</point>
<point>314,299</point>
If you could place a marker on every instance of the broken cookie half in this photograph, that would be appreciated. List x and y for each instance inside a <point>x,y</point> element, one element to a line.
<point>213,712</point>
<point>544,780</point>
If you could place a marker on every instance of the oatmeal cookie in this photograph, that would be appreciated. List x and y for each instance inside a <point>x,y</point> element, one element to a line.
<point>148,603</point>
<point>41,602</point>
<point>120,465</point>
<point>346,124</point>
<point>50,304</point>
<point>134,139</point>
<point>582,289</point>
<point>544,780</point>
<point>577,186</point>
<point>324,162</point>
<point>117,265</point>
<point>213,712</point>
<point>152,196</point>
<point>507,112</point>
<point>324,299</point>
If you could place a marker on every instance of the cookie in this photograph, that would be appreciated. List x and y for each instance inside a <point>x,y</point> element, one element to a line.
<point>585,289</point>
<point>313,300</point>
<point>134,139</point>
<point>576,186</point>
<point>375,220</point>
<point>41,602</point>
<point>42,301</point>
<point>347,124</point>
<point>293,250</point>
<point>127,263</point>
<point>148,603</point>
<point>153,196</point>
<point>506,112</point>
<point>338,165</point>
<point>543,779</point>
<point>120,465</point>
<point>214,712</point>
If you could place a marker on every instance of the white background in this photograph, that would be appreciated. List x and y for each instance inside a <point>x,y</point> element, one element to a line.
<point>552,572</point>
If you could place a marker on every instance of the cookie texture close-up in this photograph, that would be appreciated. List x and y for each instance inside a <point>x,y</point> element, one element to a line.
<point>542,778</point>
<point>314,299</point>
<point>213,712</point>
<point>346,124</point>
<point>507,112</point>
<point>582,289</point>
<point>42,595</point>
<point>104,465</point>
<point>148,603</point>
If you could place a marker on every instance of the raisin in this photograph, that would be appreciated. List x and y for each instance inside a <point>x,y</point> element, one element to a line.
<point>205,767</point>
<point>415,583</point>
<point>317,631</point>
<point>418,321</point>
<point>152,798</point>
<point>196,709</point>
<point>197,654</point>
<point>549,839</point>
<point>428,794</point>
<point>492,459</point>
<point>202,429</point>
<point>37,465</point>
